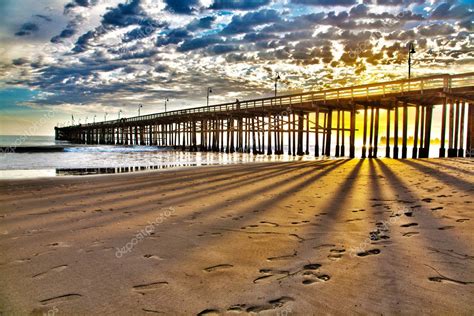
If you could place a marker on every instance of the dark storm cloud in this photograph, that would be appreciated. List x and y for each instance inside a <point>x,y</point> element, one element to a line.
<point>181,6</point>
<point>175,36</point>
<point>200,42</point>
<point>202,23</point>
<point>244,24</point>
<point>222,49</point>
<point>325,2</point>
<point>27,29</point>
<point>238,4</point>
<point>449,11</point>
<point>66,33</point>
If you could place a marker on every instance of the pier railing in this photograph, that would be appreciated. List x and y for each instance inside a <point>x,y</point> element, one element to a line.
<point>443,83</point>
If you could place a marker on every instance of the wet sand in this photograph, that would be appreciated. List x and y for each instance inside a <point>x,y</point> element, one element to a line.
<point>311,237</point>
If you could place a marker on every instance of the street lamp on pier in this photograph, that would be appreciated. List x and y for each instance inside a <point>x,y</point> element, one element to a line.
<point>209,91</point>
<point>139,107</point>
<point>276,83</point>
<point>105,116</point>
<point>411,51</point>
<point>119,114</point>
<point>166,102</point>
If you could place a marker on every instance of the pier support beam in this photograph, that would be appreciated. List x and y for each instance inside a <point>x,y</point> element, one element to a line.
<point>461,131</point>
<point>470,131</point>
<point>405,131</point>
<point>328,134</point>
<point>300,151</point>
<point>395,135</point>
<point>352,134</point>
<point>387,145</point>
<point>415,134</point>
<point>364,137</point>
<point>316,132</point>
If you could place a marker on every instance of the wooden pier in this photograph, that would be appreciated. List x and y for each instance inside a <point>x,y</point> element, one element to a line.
<point>317,118</point>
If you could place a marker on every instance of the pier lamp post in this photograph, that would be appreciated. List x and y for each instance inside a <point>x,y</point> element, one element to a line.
<point>209,91</point>
<point>276,83</point>
<point>411,50</point>
<point>139,107</point>
<point>119,114</point>
<point>94,118</point>
<point>166,102</point>
<point>105,116</point>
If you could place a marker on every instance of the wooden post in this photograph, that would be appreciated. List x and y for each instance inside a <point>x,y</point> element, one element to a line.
<point>342,152</point>
<point>387,145</point>
<point>395,136</point>
<point>422,131</point>
<point>456,130</point>
<point>352,133</point>
<point>451,128</point>
<point>364,137</point>
<point>269,148</point>
<point>294,133</point>
<point>328,136</point>
<point>461,132</point>
<point>429,116</point>
<point>338,124</point>
<point>300,151</point>
<point>376,132</point>
<point>307,134</point>
<point>371,137</point>
<point>470,130</point>
<point>316,132</point>
<point>289,133</point>
<point>415,134</point>
<point>323,147</point>
<point>405,131</point>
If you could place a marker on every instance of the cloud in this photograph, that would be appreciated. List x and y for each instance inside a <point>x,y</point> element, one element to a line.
<point>325,2</point>
<point>243,24</point>
<point>198,43</point>
<point>27,29</point>
<point>238,4</point>
<point>182,6</point>
<point>202,23</point>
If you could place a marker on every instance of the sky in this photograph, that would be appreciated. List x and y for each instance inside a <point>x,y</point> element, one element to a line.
<point>85,58</point>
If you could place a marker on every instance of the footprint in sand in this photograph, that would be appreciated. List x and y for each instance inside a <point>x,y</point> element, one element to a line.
<point>270,276</point>
<point>312,277</point>
<point>218,267</point>
<point>445,227</point>
<point>149,287</point>
<point>272,305</point>
<point>437,208</point>
<point>409,234</point>
<point>462,220</point>
<point>409,225</point>
<point>209,312</point>
<point>336,254</point>
<point>284,257</point>
<point>443,279</point>
<point>269,224</point>
<point>368,253</point>
<point>150,256</point>
<point>55,269</point>
<point>60,299</point>
<point>59,244</point>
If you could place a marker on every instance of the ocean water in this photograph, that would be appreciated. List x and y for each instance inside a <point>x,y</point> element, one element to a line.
<point>105,159</point>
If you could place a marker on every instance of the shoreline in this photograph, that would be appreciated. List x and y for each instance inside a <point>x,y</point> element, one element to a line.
<point>342,236</point>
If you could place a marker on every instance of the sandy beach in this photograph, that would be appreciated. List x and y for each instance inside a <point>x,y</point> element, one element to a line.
<point>331,237</point>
